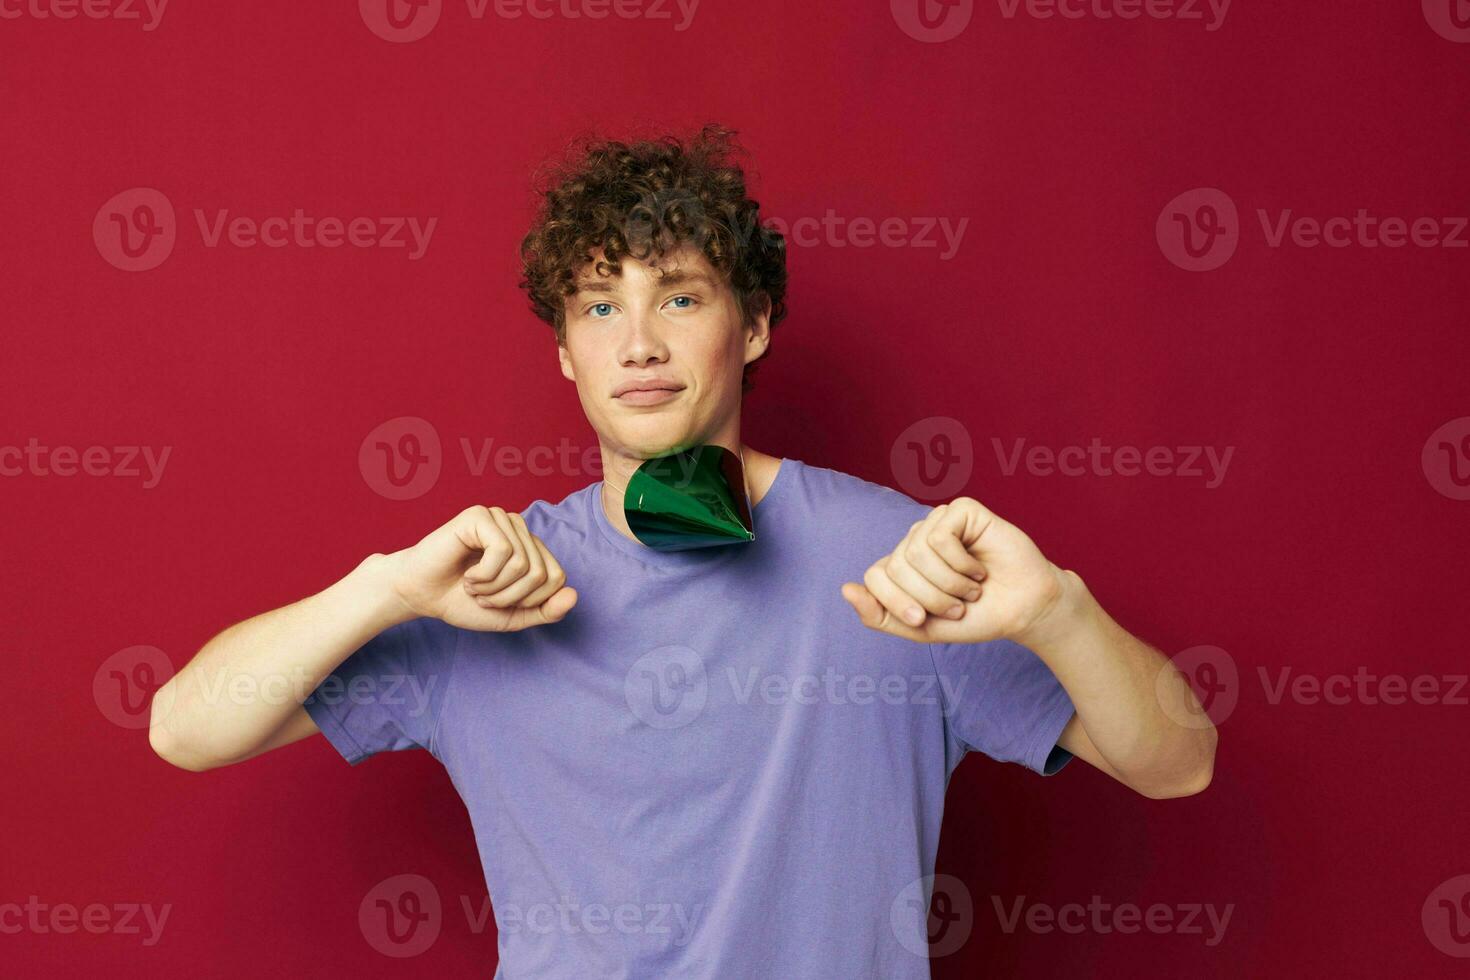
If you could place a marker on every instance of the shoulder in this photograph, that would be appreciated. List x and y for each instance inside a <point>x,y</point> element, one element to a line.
<point>564,519</point>
<point>850,490</point>
<point>851,508</point>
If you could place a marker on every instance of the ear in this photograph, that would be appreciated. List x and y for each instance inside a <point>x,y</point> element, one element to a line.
<point>758,332</point>
<point>566,362</point>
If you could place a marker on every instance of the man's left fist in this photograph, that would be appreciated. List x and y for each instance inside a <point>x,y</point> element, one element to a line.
<point>961,575</point>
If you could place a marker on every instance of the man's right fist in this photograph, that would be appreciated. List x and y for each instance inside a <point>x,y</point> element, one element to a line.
<point>485,571</point>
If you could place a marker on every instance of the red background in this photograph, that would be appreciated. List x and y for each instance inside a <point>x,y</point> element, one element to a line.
<point>1326,549</point>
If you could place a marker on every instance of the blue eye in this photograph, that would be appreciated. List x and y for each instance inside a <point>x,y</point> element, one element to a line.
<point>596,307</point>
<point>676,299</point>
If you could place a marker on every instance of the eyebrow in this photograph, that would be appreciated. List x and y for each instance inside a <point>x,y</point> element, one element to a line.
<point>676,278</point>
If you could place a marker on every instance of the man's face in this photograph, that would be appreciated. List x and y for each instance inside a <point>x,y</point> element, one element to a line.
<point>657,353</point>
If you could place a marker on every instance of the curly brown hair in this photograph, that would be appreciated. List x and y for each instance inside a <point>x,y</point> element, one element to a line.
<point>650,197</point>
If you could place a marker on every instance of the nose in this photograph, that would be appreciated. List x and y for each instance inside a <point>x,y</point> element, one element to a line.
<point>643,341</point>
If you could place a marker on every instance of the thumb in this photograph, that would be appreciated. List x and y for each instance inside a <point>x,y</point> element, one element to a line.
<point>875,616</point>
<point>559,604</point>
<point>869,609</point>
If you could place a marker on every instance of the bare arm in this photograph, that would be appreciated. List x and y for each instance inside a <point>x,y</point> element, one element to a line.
<point>1127,716</point>
<point>248,683</point>
<point>964,559</point>
<point>242,693</point>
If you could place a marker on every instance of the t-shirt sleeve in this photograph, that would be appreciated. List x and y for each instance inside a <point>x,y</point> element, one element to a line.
<point>387,695</point>
<point>1001,699</point>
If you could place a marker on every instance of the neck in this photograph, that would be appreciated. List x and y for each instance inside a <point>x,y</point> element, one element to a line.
<point>759,470</point>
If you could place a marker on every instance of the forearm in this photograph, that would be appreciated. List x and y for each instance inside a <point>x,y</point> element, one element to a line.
<point>1125,704</point>
<point>244,684</point>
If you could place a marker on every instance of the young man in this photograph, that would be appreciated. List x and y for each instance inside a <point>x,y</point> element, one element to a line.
<point>722,762</point>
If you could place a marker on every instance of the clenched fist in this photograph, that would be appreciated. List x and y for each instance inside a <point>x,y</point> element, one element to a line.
<point>484,571</point>
<point>960,575</point>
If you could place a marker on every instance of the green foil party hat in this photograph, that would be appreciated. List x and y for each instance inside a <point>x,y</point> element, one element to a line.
<point>694,498</point>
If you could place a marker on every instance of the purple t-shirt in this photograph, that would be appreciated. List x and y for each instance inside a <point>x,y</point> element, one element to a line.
<point>710,767</point>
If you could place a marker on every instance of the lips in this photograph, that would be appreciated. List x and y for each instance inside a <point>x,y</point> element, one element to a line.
<point>648,396</point>
<point>646,388</point>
